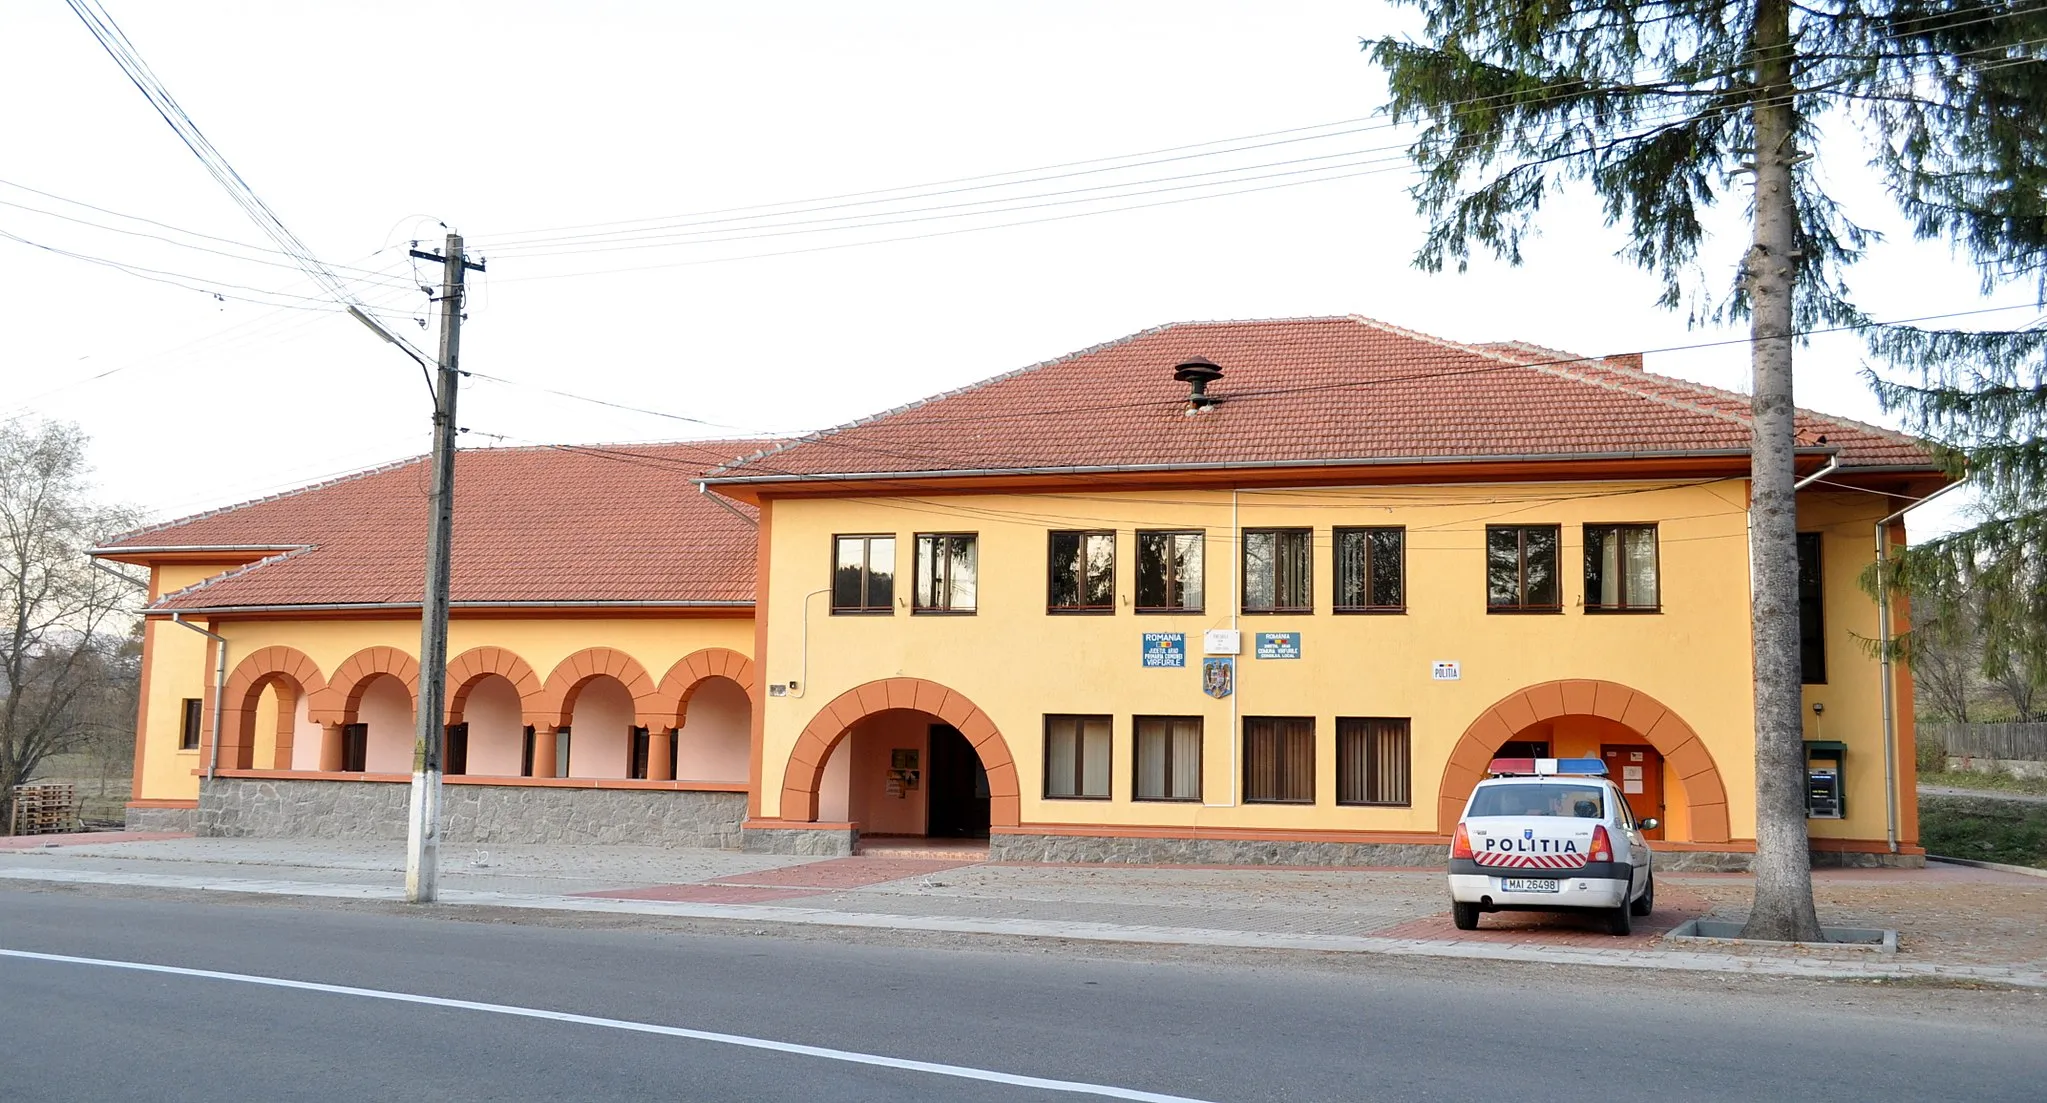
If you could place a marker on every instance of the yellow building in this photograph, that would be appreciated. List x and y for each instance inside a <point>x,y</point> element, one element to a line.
<point>1267,591</point>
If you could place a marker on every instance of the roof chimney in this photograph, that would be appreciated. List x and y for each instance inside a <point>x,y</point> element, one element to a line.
<point>1198,372</point>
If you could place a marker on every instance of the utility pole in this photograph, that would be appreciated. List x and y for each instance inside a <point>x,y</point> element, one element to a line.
<point>423,829</point>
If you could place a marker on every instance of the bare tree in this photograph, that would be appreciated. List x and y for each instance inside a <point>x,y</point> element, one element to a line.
<point>65,622</point>
<point>1947,663</point>
<point>2020,691</point>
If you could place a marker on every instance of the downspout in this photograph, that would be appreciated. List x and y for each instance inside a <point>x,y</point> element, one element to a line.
<point>803,654</point>
<point>1237,664</point>
<point>1883,635</point>
<point>219,687</point>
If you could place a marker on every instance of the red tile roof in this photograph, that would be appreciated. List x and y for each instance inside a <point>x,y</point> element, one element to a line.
<point>1301,391</point>
<point>551,525</point>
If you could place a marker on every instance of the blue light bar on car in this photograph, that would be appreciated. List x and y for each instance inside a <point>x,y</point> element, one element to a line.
<point>1545,767</point>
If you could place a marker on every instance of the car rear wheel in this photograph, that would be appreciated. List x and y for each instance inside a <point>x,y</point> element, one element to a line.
<point>1647,902</point>
<point>1619,921</point>
<point>1464,915</point>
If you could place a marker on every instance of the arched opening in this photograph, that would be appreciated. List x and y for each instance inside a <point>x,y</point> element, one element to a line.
<point>491,741</point>
<point>598,740</point>
<point>281,735</point>
<point>268,722</point>
<point>902,757</point>
<point>1660,763</point>
<point>385,727</point>
<point>716,738</point>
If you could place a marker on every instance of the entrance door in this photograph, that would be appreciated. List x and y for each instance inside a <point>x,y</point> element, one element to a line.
<point>956,787</point>
<point>1638,770</point>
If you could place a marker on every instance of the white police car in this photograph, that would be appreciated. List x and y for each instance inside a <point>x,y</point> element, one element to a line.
<point>1547,834</point>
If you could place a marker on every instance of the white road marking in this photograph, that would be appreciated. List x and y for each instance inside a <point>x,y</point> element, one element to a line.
<point>958,1072</point>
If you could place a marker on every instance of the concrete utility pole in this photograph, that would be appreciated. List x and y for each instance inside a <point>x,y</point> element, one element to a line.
<point>423,829</point>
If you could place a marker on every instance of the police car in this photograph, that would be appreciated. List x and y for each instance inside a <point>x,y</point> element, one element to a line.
<point>1550,834</point>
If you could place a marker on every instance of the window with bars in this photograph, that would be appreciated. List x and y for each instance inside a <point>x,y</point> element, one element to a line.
<point>1077,757</point>
<point>1279,760</point>
<point>1169,572</point>
<point>1371,570</point>
<point>1372,760</point>
<point>1812,621</point>
<point>1521,569</point>
<point>863,574</point>
<point>1082,573</point>
<point>946,573</point>
<point>1621,569</point>
<point>1168,758</point>
<point>188,731</point>
<point>1279,567</point>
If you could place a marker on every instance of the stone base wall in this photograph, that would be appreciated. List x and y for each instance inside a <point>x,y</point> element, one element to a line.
<point>823,842</point>
<point>2016,767</point>
<point>1118,850</point>
<point>161,819</point>
<point>503,814</point>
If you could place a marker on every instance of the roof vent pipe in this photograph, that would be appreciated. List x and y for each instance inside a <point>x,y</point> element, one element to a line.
<point>1198,372</point>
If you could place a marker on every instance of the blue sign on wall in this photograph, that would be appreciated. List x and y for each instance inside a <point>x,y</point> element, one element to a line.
<point>1165,649</point>
<point>1279,645</point>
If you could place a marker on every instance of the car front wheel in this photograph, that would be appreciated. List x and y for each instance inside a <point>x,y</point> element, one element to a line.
<point>1464,915</point>
<point>1647,902</point>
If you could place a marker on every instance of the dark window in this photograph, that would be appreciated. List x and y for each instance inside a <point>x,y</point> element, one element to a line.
<point>561,751</point>
<point>1812,621</point>
<point>1077,757</point>
<point>1371,760</point>
<point>863,574</point>
<point>945,573</point>
<point>1620,569</point>
<point>455,751</point>
<point>1371,570</point>
<point>1279,759</point>
<point>188,732</point>
<point>1169,572</point>
<point>636,757</point>
<point>1521,569</point>
<point>1168,758</point>
<point>1082,573</point>
<point>355,748</point>
<point>1279,567</point>
<point>526,752</point>
<point>1523,748</point>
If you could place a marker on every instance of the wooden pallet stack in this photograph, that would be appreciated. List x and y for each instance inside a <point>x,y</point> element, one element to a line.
<point>45,808</point>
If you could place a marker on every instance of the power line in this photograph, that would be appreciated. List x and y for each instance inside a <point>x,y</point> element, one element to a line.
<point>116,44</point>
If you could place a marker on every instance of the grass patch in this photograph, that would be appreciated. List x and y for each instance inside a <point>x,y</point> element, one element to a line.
<point>1974,779</point>
<point>1984,829</point>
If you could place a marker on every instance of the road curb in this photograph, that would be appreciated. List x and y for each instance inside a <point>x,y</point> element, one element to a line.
<point>2001,867</point>
<point>1677,960</point>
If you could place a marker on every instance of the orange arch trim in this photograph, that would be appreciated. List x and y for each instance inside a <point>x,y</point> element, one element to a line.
<point>689,673</point>
<point>285,666</point>
<point>480,662</point>
<point>1682,749</point>
<point>805,770</point>
<point>344,691</point>
<point>557,699</point>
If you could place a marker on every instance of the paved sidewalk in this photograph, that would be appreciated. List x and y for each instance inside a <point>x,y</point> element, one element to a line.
<point>1955,923</point>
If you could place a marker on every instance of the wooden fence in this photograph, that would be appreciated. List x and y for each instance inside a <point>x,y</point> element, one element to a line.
<point>2023,741</point>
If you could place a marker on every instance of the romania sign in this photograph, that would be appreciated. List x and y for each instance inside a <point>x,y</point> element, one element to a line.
<point>1162,649</point>
<point>1279,645</point>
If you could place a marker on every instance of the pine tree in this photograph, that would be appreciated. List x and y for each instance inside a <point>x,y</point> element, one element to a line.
<point>1651,105</point>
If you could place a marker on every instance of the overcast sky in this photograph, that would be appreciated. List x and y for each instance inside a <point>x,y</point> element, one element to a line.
<point>366,126</point>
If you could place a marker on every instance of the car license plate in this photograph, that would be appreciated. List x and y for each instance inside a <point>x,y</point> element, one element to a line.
<point>1527,884</point>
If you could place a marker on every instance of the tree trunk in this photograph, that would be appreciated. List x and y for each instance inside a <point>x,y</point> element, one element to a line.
<point>1783,906</point>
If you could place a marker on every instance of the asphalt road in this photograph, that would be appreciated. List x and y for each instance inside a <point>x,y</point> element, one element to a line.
<point>1256,1027</point>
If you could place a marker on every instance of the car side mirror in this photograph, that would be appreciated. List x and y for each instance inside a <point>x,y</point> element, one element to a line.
<point>1650,824</point>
